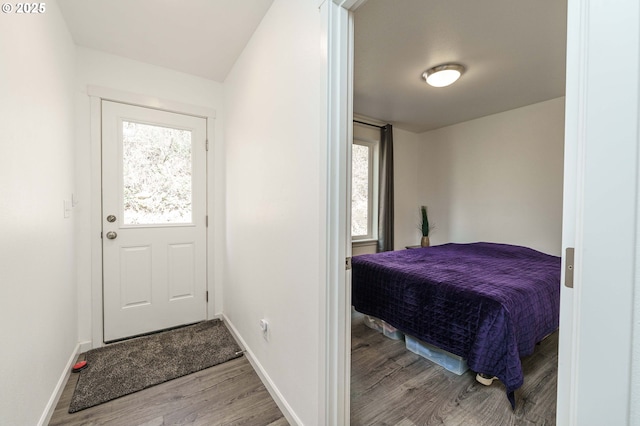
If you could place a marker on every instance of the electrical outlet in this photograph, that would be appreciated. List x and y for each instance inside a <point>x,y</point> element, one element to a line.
<point>264,326</point>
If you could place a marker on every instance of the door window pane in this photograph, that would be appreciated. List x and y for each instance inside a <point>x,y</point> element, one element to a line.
<point>156,171</point>
<point>360,191</point>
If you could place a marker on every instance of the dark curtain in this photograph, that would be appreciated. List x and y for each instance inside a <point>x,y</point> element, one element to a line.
<point>385,188</point>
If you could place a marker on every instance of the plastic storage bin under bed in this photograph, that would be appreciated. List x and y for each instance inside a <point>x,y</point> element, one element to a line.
<point>451,362</point>
<point>384,328</point>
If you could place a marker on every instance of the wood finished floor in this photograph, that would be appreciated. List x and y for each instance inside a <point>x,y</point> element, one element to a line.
<point>392,386</point>
<point>226,394</point>
<point>389,386</point>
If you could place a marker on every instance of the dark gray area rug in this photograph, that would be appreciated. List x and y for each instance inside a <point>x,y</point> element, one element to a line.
<point>130,366</point>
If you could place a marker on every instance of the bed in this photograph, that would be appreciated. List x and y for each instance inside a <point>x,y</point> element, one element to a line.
<point>488,303</point>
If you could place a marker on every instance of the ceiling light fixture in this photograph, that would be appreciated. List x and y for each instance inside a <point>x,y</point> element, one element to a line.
<point>443,75</point>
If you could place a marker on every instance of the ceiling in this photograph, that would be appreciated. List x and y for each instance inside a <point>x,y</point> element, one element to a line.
<point>199,37</point>
<point>514,52</point>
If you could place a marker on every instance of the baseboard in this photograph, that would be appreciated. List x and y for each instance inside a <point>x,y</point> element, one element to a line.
<point>57,392</point>
<point>286,409</point>
<point>85,346</point>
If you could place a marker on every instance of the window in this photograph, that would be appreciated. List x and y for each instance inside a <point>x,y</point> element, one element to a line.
<point>156,174</point>
<point>364,190</point>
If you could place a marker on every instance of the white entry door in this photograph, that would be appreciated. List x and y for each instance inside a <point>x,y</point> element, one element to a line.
<point>154,219</point>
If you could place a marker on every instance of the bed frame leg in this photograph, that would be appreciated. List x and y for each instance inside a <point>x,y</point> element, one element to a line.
<point>485,379</point>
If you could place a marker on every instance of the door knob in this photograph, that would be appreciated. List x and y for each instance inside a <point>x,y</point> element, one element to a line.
<point>112,235</point>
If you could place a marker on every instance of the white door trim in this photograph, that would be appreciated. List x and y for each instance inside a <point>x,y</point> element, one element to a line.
<point>96,95</point>
<point>337,30</point>
<point>575,97</point>
<point>602,122</point>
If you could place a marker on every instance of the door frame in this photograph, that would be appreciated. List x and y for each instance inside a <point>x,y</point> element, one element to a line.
<point>337,37</point>
<point>586,33</point>
<point>96,95</point>
<point>601,186</point>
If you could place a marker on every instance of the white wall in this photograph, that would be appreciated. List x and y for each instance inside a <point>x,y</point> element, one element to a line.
<point>498,178</point>
<point>114,72</point>
<point>37,266</point>
<point>410,173</point>
<point>275,226</point>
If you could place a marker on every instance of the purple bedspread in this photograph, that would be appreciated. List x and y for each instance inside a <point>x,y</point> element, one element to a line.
<point>489,303</point>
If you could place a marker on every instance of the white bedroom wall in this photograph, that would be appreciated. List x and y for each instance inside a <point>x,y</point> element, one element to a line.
<point>114,72</point>
<point>38,304</point>
<point>410,176</point>
<point>276,201</point>
<point>498,178</point>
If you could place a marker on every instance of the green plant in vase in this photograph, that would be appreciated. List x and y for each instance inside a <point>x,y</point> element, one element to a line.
<point>424,227</point>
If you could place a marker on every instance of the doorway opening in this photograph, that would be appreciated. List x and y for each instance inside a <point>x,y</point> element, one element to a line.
<point>478,174</point>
